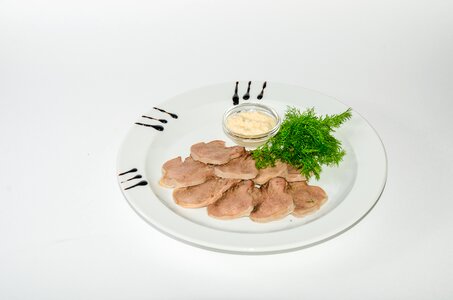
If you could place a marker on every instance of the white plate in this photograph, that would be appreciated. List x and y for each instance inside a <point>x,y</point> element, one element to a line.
<point>353,187</point>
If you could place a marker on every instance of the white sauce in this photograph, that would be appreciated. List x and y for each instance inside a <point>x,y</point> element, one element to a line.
<point>250,123</point>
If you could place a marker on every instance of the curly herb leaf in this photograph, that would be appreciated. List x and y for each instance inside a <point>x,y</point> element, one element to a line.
<point>304,141</point>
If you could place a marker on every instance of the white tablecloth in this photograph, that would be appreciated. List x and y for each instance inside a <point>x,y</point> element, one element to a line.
<point>75,74</point>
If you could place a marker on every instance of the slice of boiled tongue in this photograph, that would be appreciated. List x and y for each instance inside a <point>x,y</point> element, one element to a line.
<point>275,203</point>
<point>215,152</point>
<point>237,202</point>
<point>242,167</point>
<point>177,173</point>
<point>203,194</point>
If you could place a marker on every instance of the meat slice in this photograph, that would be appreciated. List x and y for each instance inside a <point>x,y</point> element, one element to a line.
<point>293,174</point>
<point>256,194</point>
<point>276,202</point>
<point>235,203</point>
<point>176,173</point>
<point>242,167</point>
<point>307,198</point>
<point>215,152</point>
<point>203,194</point>
<point>266,174</point>
<point>280,169</point>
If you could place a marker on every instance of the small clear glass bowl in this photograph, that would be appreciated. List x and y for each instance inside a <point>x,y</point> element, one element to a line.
<point>254,141</point>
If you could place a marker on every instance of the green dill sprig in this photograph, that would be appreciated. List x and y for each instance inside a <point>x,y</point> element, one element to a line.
<point>304,141</point>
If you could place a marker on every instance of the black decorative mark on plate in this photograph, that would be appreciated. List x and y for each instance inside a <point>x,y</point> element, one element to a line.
<point>160,120</point>
<point>247,94</point>
<point>157,127</point>
<point>127,172</point>
<point>141,183</point>
<point>174,116</point>
<point>261,95</point>
<point>236,96</point>
<point>135,177</point>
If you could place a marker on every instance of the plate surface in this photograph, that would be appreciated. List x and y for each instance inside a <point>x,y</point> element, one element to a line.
<point>353,188</point>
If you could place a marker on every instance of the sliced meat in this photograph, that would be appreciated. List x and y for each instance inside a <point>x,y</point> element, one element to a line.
<point>307,198</point>
<point>215,152</point>
<point>266,174</point>
<point>256,194</point>
<point>280,169</point>
<point>276,202</point>
<point>293,174</point>
<point>203,194</point>
<point>176,173</point>
<point>242,167</point>
<point>235,203</point>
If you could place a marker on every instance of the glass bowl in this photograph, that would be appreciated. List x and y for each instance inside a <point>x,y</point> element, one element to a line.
<point>255,140</point>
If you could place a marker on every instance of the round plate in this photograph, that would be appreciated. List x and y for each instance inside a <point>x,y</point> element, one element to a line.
<point>353,188</point>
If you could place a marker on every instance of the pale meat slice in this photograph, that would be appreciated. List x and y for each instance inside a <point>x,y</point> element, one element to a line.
<point>276,203</point>
<point>293,174</point>
<point>256,195</point>
<point>242,167</point>
<point>307,198</point>
<point>235,203</point>
<point>215,152</point>
<point>266,174</point>
<point>203,194</point>
<point>177,173</point>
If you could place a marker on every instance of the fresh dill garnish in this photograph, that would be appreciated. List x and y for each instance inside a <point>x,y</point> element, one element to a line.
<point>304,141</point>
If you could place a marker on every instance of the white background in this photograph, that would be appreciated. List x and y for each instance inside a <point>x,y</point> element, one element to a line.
<point>74,75</point>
